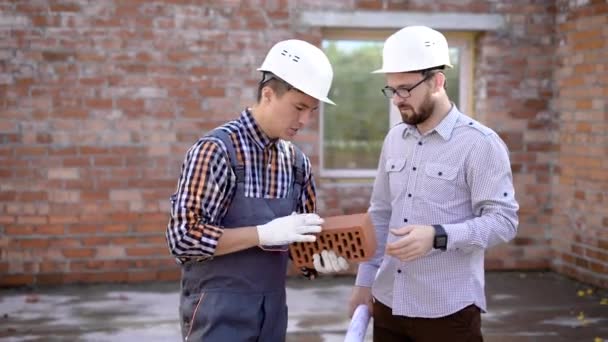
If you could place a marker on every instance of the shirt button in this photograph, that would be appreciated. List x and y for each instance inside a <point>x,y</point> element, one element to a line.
<point>404,220</point>
<point>398,271</point>
<point>392,166</point>
<point>409,195</point>
<point>470,124</point>
<point>420,143</point>
<point>440,173</point>
<point>414,168</point>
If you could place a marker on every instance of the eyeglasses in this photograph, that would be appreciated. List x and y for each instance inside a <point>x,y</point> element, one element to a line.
<point>402,92</point>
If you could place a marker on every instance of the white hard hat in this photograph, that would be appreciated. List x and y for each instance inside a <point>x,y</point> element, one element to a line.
<point>414,48</point>
<point>302,65</point>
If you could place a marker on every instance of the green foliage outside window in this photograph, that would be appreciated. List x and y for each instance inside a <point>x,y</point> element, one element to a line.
<point>355,129</point>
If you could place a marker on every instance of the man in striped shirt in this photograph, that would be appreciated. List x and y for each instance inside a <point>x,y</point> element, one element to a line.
<point>443,194</point>
<point>245,192</point>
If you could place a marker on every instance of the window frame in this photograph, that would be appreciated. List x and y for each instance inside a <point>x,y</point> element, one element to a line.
<point>463,40</point>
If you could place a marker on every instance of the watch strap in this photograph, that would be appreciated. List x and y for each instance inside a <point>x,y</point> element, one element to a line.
<point>441,238</point>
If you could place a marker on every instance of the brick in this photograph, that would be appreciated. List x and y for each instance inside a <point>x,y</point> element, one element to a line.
<point>78,253</point>
<point>110,252</point>
<point>83,229</point>
<point>53,266</point>
<point>33,243</point>
<point>169,275</point>
<point>146,251</point>
<point>125,195</point>
<point>13,280</point>
<point>95,241</point>
<point>115,228</point>
<point>49,230</point>
<point>57,219</point>
<point>64,196</point>
<point>32,219</point>
<point>64,242</point>
<point>149,228</point>
<point>50,279</point>
<point>63,173</point>
<point>142,276</point>
<point>351,236</point>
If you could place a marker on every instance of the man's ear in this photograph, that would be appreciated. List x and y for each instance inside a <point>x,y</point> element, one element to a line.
<point>440,80</point>
<point>267,94</point>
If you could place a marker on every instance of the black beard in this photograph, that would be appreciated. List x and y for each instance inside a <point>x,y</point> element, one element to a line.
<point>426,109</point>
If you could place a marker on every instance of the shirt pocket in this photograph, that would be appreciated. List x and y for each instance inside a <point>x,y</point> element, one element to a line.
<point>397,175</point>
<point>439,182</point>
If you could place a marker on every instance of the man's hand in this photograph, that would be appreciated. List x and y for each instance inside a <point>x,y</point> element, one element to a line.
<point>360,295</point>
<point>287,229</point>
<point>329,262</point>
<point>415,242</point>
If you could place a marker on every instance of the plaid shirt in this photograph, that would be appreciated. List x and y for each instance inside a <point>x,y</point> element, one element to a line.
<point>207,184</point>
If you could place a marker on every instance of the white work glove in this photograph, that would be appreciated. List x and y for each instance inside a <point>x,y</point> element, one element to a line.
<point>287,229</point>
<point>329,262</point>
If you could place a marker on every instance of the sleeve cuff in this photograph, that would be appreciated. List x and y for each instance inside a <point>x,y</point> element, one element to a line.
<point>366,275</point>
<point>458,235</point>
<point>209,236</point>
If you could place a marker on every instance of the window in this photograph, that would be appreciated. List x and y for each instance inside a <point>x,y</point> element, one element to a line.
<point>353,131</point>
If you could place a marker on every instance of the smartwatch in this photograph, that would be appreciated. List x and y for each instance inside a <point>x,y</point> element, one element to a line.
<point>441,238</point>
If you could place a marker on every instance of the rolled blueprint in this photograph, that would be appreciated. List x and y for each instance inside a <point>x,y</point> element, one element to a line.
<point>358,325</point>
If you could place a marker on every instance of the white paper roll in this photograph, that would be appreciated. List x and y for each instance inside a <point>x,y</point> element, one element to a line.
<point>358,325</point>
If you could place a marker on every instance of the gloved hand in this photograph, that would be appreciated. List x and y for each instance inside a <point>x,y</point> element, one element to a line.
<point>329,262</point>
<point>288,229</point>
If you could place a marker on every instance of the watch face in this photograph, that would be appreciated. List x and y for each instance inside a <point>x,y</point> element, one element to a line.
<point>441,241</point>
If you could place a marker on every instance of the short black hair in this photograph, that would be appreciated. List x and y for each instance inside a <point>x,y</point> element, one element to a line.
<point>269,79</point>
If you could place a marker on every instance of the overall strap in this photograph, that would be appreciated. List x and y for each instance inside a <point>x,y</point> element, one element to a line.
<point>224,137</point>
<point>298,165</point>
<point>298,174</point>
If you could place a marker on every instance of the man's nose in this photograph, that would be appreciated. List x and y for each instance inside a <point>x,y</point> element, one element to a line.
<point>305,116</point>
<point>397,100</point>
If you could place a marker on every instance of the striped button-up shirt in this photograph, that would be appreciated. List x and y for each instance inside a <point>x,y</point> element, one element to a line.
<point>207,184</point>
<point>457,175</point>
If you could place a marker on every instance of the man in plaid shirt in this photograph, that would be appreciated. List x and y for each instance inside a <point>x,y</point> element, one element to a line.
<point>246,192</point>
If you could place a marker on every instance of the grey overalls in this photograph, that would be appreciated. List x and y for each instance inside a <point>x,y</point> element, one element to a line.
<point>241,296</point>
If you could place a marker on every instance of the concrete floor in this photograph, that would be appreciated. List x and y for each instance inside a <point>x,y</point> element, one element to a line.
<point>522,307</point>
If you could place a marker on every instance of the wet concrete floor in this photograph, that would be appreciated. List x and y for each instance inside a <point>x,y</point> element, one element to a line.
<point>522,307</point>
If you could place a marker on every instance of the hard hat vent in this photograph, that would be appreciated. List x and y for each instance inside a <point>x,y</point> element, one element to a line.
<point>294,58</point>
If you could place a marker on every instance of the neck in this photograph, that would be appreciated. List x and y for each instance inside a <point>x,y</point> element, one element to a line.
<point>259,114</point>
<point>441,110</point>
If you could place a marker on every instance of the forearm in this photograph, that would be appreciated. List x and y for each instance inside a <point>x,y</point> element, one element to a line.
<point>482,232</point>
<point>237,239</point>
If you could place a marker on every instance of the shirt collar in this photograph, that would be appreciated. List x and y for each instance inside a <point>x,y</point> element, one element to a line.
<point>254,130</point>
<point>444,128</point>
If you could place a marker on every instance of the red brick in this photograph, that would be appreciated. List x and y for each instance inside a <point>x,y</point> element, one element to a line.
<point>78,253</point>
<point>147,251</point>
<point>141,276</point>
<point>12,280</point>
<point>50,279</point>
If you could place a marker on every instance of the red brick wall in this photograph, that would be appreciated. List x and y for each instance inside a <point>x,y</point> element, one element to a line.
<point>580,223</point>
<point>99,101</point>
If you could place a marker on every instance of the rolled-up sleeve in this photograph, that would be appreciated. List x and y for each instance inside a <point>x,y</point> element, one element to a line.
<point>493,201</point>
<point>200,202</point>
